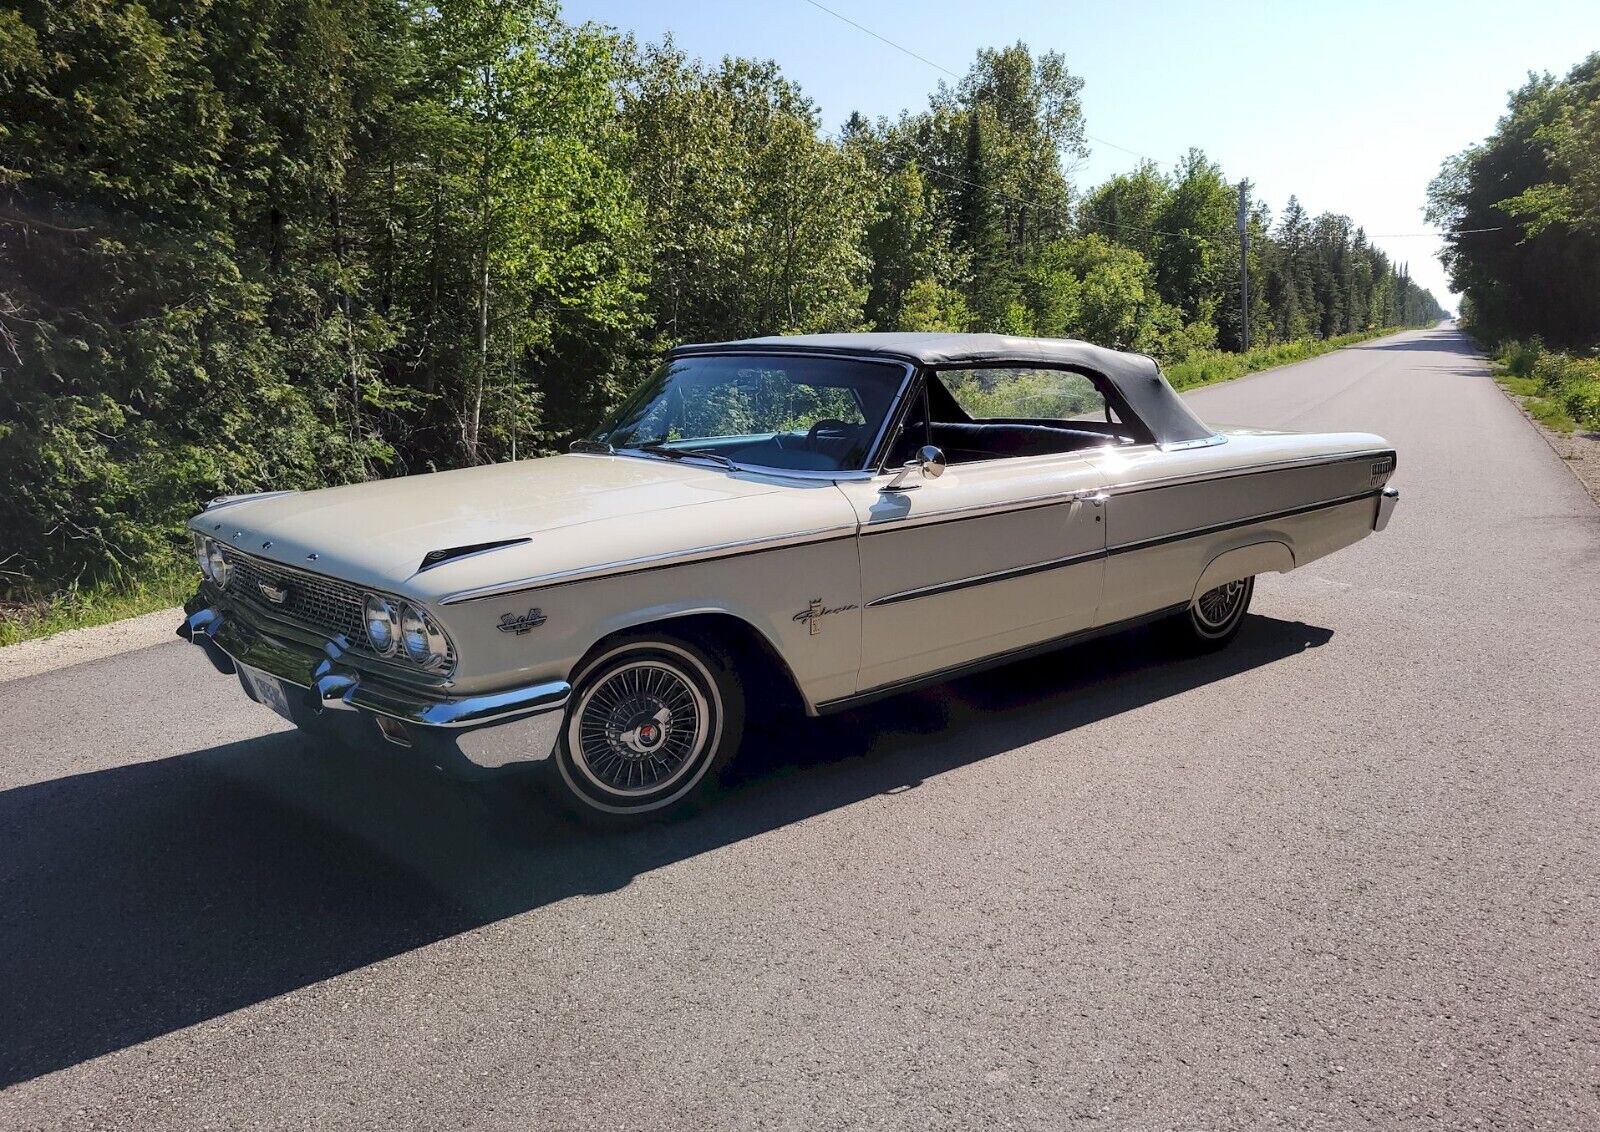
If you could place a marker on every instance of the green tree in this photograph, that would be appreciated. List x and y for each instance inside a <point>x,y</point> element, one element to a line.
<point>522,223</point>
<point>1196,253</point>
<point>1522,230</point>
<point>1128,208</point>
<point>752,223</point>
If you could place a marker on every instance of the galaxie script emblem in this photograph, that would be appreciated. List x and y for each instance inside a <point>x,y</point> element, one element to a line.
<point>273,592</point>
<point>812,615</point>
<point>521,622</point>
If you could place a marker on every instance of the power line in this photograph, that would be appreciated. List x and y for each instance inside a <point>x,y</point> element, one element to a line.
<point>884,39</point>
<point>1099,141</point>
<point>945,70</point>
<point>1434,235</point>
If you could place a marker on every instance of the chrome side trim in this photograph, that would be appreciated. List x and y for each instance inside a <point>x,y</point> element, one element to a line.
<point>1116,548</point>
<point>652,562</point>
<point>984,579</point>
<point>972,511</point>
<point>980,510</point>
<point>1248,470</point>
<point>1218,528</point>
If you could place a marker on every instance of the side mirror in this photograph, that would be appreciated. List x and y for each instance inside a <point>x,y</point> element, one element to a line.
<point>929,459</point>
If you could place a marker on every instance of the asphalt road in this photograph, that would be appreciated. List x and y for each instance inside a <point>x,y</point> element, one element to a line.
<point>1345,874</point>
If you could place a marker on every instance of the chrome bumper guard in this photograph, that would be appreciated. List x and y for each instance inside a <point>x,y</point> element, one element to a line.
<point>467,735</point>
<point>1387,498</point>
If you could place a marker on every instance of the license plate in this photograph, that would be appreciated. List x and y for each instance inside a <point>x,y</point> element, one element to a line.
<point>269,690</point>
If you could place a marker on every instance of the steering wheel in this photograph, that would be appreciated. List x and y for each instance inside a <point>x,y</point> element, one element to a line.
<point>816,430</point>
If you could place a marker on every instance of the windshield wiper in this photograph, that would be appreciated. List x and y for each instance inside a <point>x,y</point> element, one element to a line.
<point>592,446</point>
<point>657,448</point>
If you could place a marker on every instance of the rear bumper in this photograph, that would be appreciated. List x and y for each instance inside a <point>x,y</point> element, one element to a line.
<point>468,736</point>
<point>1387,499</point>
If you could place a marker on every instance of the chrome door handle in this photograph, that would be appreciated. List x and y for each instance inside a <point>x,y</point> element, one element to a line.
<point>1094,496</point>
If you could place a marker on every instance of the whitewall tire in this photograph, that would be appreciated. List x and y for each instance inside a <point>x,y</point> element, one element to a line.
<point>1214,617</point>
<point>650,722</point>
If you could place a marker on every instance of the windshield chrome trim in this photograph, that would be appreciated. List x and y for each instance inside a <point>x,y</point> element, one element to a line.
<point>866,470</point>
<point>808,474</point>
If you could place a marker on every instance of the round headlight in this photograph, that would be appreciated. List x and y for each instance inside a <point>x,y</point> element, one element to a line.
<point>378,615</point>
<point>202,556</point>
<point>218,558</point>
<point>423,641</point>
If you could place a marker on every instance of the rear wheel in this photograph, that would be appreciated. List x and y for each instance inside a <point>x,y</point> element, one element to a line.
<point>1214,617</point>
<point>650,722</point>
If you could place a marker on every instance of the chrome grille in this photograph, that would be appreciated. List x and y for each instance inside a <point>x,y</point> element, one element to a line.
<point>313,601</point>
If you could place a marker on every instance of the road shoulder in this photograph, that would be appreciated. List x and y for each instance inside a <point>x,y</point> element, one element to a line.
<point>75,646</point>
<point>1579,451</point>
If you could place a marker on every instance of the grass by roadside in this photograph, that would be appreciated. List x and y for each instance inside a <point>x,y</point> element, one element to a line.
<point>1560,395</point>
<point>95,605</point>
<point>1546,411</point>
<point>1561,391</point>
<point>1207,367</point>
<point>130,597</point>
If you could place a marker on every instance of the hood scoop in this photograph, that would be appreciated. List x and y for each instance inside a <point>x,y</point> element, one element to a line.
<point>450,554</point>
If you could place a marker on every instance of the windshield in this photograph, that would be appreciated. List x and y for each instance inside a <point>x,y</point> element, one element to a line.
<point>794,413</point>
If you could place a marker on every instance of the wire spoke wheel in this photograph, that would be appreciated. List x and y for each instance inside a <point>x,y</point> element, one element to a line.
<point>1216,614</point>
<point>639,727</point>
<point>1216,606</point>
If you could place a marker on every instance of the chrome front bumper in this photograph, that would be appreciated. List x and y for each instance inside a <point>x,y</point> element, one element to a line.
<point>1387,498</point>
<point>466,735</point>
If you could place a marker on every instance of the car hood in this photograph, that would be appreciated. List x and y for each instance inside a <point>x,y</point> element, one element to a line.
<point>382,533</point>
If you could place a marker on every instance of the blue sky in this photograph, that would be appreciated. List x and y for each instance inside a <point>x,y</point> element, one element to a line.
<point>1351,106</point>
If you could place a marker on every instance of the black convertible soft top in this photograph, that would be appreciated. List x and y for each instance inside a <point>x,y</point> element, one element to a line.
<point>1136,377</point>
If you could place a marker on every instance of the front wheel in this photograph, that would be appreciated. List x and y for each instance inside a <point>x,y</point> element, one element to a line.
<point>649,723</point>
<point>1214,617</point>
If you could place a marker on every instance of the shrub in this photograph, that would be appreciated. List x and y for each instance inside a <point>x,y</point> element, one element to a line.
<point>1521,355</point>
<point>1560,374</point>
<point>1582,401</point>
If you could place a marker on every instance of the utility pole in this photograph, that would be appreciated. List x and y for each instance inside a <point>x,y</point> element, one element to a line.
<point>1244,264</point>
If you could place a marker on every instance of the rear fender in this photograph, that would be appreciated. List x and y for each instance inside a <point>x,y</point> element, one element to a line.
<point>1244,562</point>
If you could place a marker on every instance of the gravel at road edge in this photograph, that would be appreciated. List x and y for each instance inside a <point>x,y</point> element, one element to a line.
<point>74,646</point>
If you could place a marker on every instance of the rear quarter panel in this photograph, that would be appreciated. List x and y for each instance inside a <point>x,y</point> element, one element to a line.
<point>1172,513</point>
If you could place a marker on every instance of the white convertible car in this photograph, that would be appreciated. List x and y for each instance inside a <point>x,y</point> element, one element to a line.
<point>827,518</point>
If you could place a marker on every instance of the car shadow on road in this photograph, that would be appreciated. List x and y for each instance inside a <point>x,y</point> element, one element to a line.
<point>142,899</point>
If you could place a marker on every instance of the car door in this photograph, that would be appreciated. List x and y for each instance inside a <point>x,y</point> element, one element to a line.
<point>986,559</point>
<point>1006,548</point>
